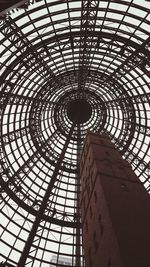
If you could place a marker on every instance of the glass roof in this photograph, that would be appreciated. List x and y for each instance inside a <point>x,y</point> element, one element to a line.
<point>53,53</point>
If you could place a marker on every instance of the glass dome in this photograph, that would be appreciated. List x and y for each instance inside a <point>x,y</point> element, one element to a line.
<point>67,67</point>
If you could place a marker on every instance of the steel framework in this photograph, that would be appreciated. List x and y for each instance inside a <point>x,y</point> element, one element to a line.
<point>57,58</point>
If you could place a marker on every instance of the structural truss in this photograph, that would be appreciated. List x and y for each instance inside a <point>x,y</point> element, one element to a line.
<point>67,67</point>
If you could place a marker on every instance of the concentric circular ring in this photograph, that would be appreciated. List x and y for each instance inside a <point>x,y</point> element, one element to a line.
<point>57,57</point>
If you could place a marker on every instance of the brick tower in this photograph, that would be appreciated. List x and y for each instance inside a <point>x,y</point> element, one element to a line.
<point>115,208</point>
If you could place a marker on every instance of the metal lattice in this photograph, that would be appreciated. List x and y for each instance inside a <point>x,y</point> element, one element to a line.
<point>67,67</point>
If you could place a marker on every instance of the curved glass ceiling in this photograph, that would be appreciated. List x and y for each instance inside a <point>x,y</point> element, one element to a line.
<point>56,56</point>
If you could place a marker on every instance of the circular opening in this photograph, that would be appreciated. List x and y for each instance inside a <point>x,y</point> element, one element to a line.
<point>79,111</point>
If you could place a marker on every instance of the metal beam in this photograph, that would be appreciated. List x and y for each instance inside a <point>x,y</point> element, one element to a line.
<point>7,5</point>
<point>89,11</point>
<point>43,206</point>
